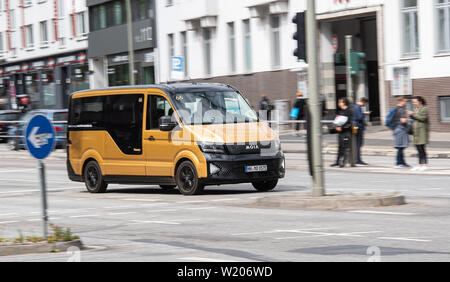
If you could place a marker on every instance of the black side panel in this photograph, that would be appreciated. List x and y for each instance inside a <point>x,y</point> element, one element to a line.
<point>153,180</point>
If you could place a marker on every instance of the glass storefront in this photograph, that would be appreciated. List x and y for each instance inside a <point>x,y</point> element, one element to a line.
<point>46,83</point>
<point>48,88</point>
<point>80,78</point>
<point>144,70</point>
<point>32,88</point>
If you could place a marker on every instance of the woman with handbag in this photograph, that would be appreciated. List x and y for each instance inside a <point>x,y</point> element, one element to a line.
<point>298,112</point>
<point>421,131</point>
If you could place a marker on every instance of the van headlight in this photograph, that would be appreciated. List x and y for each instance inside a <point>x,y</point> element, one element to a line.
<point>212,148</point>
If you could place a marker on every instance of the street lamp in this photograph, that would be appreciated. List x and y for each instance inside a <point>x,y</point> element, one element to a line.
<point>130,42</point>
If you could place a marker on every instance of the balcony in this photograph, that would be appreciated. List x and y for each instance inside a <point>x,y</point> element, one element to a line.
<point>259,8</point>
<point>200,13</point>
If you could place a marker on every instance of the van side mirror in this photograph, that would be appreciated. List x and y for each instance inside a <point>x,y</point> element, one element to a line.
<point>166,123</point>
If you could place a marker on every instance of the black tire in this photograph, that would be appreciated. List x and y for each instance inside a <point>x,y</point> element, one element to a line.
<point>187,179</point>
<point>265,186</point>
<point>93,178</point>
<point>167,187</point>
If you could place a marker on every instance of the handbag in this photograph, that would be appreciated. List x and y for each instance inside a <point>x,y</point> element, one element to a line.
<point>410,126</point>
<point>294,113</point>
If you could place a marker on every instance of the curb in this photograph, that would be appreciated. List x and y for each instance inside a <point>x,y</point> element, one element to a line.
<point>381,153</point>
<point>330,202</point>
<point>39,248</point>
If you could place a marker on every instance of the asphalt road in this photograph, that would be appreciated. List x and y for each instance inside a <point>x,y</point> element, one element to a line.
<point>143,223</point>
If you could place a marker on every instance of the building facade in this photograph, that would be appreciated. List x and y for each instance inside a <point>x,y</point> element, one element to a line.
<point>43,45</point>
<point>108,42</point>
<point>248,43</point>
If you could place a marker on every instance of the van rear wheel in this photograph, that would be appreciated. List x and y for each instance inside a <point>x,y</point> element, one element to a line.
<point>187,179</point>
<point>265,186</point>
<point>93,178</point>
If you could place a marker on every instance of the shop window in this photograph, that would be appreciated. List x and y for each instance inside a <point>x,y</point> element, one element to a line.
<point>32,87</point>
<point>49,88</point>
<point>80,79</point>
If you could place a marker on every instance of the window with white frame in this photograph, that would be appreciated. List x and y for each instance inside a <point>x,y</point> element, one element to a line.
<point>207,51</point>
<point>443,25</point>
<point>247,46</point>
<point>184,48</point>
<point>1,42</point>
<point>44,32</point>
<point>232,46</point>
<point>410,25</point>
<point>29,36</point>
<point>171,45</point>
<point>445,108</point>
<point>275,41</point>
<point>81,26</point>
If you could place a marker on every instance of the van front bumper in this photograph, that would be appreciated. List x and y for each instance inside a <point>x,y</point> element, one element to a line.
<point>232,168</point>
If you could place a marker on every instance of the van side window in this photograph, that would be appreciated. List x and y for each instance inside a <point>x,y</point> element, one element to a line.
<point>88,112</point>
<point>158,107</point>
<point>124,122</point>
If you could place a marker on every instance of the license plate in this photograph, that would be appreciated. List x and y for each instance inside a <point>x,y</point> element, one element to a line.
<point>256,168</point>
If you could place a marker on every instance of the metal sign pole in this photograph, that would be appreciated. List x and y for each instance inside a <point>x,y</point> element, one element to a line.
<point>44,206</point>
<point>350,94</point>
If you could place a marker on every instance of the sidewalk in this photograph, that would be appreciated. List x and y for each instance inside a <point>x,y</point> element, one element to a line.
<point>378,142</point>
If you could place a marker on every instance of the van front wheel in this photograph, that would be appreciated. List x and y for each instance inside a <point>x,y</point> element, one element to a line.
<point>265,186</point>
<point>93,178</point>
<point>187,179</point>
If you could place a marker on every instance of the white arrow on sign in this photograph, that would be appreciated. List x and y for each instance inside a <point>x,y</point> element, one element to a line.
<point>38,140</point>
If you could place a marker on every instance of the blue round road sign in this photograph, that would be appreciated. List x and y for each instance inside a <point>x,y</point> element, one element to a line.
<point>40,137</point>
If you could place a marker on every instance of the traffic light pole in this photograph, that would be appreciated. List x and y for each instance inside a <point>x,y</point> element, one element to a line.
<point>315,106</point>
<point>350,92</point>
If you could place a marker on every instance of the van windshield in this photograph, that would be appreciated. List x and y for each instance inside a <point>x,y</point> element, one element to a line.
<point>213,108</point>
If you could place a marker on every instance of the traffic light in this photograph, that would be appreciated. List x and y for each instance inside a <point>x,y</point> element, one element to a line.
<point>357,63</point>
<point>300,36</point>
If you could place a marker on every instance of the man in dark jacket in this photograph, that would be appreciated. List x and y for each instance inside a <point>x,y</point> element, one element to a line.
<point>265,107</point>
<point>359,117</point>
<point>345,133</point>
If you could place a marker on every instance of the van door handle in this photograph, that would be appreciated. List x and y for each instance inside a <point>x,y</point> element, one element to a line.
<point>152,138</point>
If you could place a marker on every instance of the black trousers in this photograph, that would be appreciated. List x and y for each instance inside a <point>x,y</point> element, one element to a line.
<point>359,145</point>
<point>344,148</point>
<point>423,159</point>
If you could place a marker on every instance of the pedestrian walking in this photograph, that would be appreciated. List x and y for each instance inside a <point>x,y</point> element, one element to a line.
<point>344,125</point>
<point>359,118</point>
<point>399,123</point>
<point>299,112</point>
<point>421,131</point>
<point>265,107</point>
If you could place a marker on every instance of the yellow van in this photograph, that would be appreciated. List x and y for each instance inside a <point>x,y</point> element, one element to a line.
<point>178,135</point>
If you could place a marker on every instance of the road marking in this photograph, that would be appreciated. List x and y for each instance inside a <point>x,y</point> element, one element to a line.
<point>142,200</point>
<point>224,200</point>
<point>199,209</point>
<point>386,213</point>
<point>327,234</point>
<point>8,222</point>
<point>191,202</point>
<point>117,207</point>
<point>8,214</point>
<point>157,222</point>
<point>121,213</point>
<point>205,259</point>
<point>278,231</point>
<point>404,239</point>
<point>86,215</point>
<point>22,170</point>
<point>33,220</point>
<point>34,190</point>
<point>166,210</point>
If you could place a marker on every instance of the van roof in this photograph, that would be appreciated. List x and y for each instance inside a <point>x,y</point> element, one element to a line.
<point>172,88</point>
